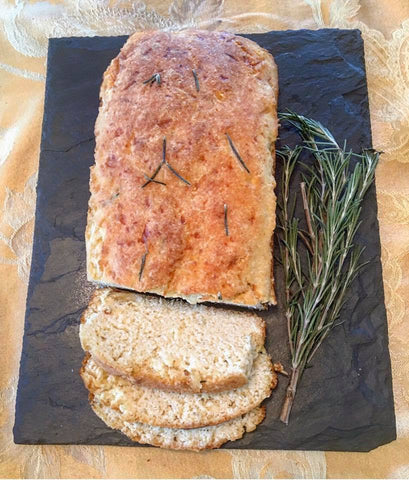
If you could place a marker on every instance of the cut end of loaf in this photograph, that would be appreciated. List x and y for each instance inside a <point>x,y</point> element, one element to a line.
<point>169,344</point>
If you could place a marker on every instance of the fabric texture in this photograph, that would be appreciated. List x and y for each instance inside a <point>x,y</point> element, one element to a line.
<point>25,27</point>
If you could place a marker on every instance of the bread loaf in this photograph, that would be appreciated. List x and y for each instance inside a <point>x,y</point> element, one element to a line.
<point>178,410</point>
<point>170,344</point>
<point>179,439</point>
<point>182,192</point>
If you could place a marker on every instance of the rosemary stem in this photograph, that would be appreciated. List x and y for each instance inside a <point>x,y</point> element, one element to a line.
<point>290,395</point>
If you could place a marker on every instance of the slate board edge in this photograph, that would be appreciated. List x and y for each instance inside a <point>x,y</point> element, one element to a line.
<point>35,268</point>
<point>393,432</point>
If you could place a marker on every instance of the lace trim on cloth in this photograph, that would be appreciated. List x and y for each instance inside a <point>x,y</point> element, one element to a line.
<point>27,25</point>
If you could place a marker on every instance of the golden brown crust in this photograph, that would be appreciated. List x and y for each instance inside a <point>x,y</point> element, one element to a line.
<point>175,445</point>
<point>179,229</point>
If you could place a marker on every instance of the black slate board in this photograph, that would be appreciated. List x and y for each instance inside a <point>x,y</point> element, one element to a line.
<point>345,400</point>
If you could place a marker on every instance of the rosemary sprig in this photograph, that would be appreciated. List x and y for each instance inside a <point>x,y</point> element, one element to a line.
<point>318,276</point>
<point>142,268</point>
<point>236,153</point>
<point>226,224</point>
<point>196,80</point>
<point>154,78</point>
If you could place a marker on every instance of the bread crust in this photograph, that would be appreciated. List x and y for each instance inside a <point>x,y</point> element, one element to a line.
<point>178,439</point>
<point>179,231</point>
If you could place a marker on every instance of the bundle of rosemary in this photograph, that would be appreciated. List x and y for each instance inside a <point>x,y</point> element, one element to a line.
<point>319,261</point>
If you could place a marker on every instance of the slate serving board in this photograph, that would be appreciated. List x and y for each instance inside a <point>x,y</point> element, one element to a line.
<point>345,400</point>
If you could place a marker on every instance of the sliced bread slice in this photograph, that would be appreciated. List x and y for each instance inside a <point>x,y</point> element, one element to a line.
<point>170,344</point>
<point>160,408</point>
<point>179,439</point>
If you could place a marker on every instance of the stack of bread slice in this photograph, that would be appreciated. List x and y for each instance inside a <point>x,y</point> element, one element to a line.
<point>174,375</point>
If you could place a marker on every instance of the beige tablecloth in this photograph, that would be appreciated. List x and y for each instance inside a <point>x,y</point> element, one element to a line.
<point>26,25</point>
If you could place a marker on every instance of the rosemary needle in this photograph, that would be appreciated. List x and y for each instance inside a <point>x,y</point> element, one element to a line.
<point>151,180</point>
<point>154,78</point>
<point>226,225</point>
<point>196,80</point>
<point>236,153</point>
<point>142,265</point>
<point>177,174</point>
<point>164,150</point>
<point>164,161</point>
